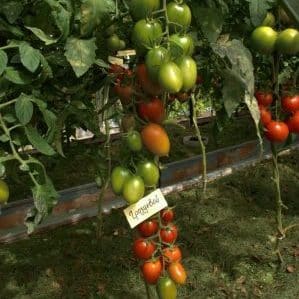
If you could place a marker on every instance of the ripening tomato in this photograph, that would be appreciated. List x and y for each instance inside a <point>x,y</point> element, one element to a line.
<point>125,93</point>
<point>145,82</point>
<point>172,254</point>
<point>140,9</point>
<point>171,77</point>
<point>290,103</point>
<point>167,215</point>
<point>119,176</point>
<point>266,116</point>
<point>155,139</point>
<point>166,288</point>
<point>152,111</point>
<point>133,189</point>
<point>188,69</point>
<point>149,172</point>
<point>144,249</point>
<point>133,140</point>
<point>179,16</point>
<point>293,123</point>
<point>169,233</point>
<point>148,228</point>
<point>177,273</point>
<point>146,34</point>
<point>263,39</point>
<point>277,131</point>
<point>151,271</point>
<point>4,192</point>
<point>264,98</point>
<point>154,59</point>
<point>184,41</point>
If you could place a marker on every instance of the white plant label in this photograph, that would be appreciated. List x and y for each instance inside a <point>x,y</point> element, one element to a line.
<point>145,208</point>
<point>115,60</point>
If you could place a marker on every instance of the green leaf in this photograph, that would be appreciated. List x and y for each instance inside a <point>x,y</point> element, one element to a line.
<point>9,118</point>
<point>16,76</point>
<point>24,109</point>
<point>4,138</point>
<point>92,12</point>
<point>2,170</point>
<point>48,40</point>
<point>258,10</point>
<point>3,61</point>
<point>38,141</point>
<point>45,198</point>
<point>30,57</point>
<point>210,21</point>
<point>4,26</point>
<point>80,54</point>
<point>102,63</point>
<point>12,10</point>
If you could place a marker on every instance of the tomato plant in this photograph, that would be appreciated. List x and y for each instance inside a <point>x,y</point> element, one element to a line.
<point>179,16</point>
<point>166,288</point>
<point>151,271</point>
<point>148,228</point>
<point>290,103</point>
<point>277,131</point>
<point>264,98</point>
<point>133,140</point>
<point>177,273</point>
<point>149,172</point>
<point>133,189</point>
<point>266,116</point>
<point>172,254</point>
<point>169,233</point>
<point>119,176</point>
<point>152,111</point>
<point>167,215</point>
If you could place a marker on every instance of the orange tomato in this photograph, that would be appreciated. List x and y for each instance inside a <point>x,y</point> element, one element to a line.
<point>177,273</point>
<point>172,254</point>
<point>155,139</point>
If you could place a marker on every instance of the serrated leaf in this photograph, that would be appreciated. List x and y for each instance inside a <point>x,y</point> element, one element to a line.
<point>24,109</point>
<point>16,76</point>
<point>80,54</point>
<point>30,57</point>
<point>38,141</point>
<point>3,61</point>
<point>48,40</point>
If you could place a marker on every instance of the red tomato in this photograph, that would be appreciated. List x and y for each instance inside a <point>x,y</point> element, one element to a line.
<point>148,228</point>
<point>167,215</point>
<point>152,111</point>
<point>151,271</point>
<point>146,83</point>
<point>293,123</point>
<point>172,254</point>
<point>264,98</point>
<point>266,115</point>
<point>277,131</point>
<point>169,233</point>
<point>290,103</point>
<point>177,272</point>
<point>125,93</point>
<point>143,249</point>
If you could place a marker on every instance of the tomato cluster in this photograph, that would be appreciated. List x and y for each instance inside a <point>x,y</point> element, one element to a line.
<point>160,256</point>
<point>275,130</point>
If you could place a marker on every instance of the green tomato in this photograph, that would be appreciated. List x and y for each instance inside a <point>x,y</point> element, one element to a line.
<point>188,69</point>
<point>111,30</point>
<point>149,173</point>
<point>185,42</point>
<point>133,189</point>
<point>146,35</point>
<point>288,41</point>
<point>179,15</point>
<point>166,288</point>
<point>4,192</point>
<point>119,176</point>
<point>122,44</point>
<point>113,42</point>
<point>154,59</point>
<point>263,39</point>
<point>170,77</point>
<point>140,9</point>
<point>269,20</point>
<point>134,141</point>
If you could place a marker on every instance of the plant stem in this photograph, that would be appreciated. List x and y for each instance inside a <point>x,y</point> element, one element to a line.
<point>7,103</point>
<point>279,204</point>
<point>203,148</point>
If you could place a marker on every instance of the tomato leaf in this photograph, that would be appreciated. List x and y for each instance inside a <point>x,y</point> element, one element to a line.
<point>4,26</point>
<point>258,10</point>
<point>38,141</point>
<point>30,57</point>
<point>42,35</point>
<point>210,20</point>
<point>12,10</point>
<point>81,54</point>
<point>24,109</point>
<point>3,61</point>
<point>16,76</point>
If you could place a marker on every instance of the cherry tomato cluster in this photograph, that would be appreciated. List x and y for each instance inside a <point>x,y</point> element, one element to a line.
<point>155,247</point>
<point>275,130</point>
